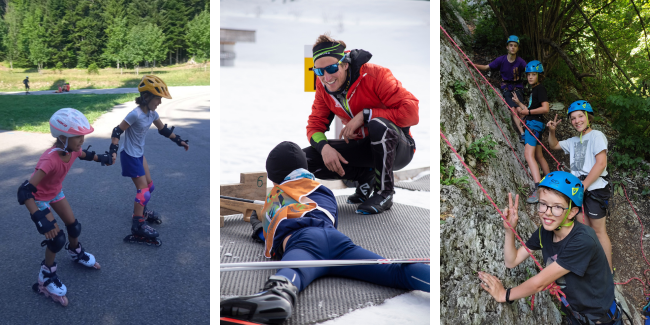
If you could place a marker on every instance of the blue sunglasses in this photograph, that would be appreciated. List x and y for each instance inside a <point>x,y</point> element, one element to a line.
<point>330,69</point>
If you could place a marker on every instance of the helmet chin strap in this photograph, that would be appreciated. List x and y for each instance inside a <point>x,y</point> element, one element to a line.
<point>586,127</point>
<point>565,217</point>
<point>65,146</point>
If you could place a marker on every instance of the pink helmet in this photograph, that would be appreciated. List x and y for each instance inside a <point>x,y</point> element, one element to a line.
<point>69,122</point>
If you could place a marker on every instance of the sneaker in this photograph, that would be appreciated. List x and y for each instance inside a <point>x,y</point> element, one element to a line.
<point>522,138</point>
<point>274,305</point>
<point>533,198</point>
<point>377,203</point>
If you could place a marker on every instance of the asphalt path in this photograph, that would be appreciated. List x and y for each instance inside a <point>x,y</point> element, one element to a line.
<point>137,283</point>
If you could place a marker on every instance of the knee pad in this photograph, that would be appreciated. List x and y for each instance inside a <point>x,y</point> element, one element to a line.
<point>74,229</point>
<point>143,196</point>
<point>55,244</point>
<point>151,187</point>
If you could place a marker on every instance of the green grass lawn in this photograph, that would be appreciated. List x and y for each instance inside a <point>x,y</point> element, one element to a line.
<point>32,113</point>
<point>47,79</point>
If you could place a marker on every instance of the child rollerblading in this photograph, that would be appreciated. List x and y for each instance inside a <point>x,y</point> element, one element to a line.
<point>43,192</point>
<point>134,164</point>
<point>26,82</point>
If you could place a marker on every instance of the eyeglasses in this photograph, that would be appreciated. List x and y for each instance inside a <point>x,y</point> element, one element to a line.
<point>330,69</point>
<point>557,211</point>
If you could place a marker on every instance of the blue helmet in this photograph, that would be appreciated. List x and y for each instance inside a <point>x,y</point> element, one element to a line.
<point>513,38</point>
<point>580,105</point>
<point>534,66</point>
<point>565,183</point>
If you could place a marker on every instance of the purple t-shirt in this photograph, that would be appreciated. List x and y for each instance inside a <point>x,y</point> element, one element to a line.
<point>509,71</point>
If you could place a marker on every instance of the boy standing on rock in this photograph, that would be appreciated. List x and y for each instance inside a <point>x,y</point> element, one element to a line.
<point>511,67</point>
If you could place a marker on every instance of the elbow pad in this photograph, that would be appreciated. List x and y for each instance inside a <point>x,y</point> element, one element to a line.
<point>165,132</point>
<point>25,192</point>
<point>117,132</point>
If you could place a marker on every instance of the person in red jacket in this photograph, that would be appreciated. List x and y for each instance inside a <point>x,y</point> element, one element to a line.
<point>377,113</point>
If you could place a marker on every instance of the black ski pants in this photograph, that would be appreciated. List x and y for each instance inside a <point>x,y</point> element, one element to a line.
<point>387,148</point>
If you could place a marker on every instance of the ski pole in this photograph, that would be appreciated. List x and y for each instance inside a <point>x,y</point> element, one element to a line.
<point>227,267</point>
<point>241,200</point>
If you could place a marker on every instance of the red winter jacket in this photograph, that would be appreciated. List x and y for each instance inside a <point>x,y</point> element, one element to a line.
<point>377,89</point>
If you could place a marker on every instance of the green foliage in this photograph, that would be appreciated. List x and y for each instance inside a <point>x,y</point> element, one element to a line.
<point>460,88</point>
<point>447,177</point>
<point>552,89</point>
<point>483,148</point>
<point>198,35</point>
<point>93,68</point>
<point>630,116</point>
<point>59,67</point>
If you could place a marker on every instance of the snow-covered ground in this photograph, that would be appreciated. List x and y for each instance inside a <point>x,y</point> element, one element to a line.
<point>262,101</point>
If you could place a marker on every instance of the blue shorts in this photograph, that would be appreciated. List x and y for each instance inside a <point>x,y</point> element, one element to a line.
<point>507,95</point>
<point>537,127</point>
<point>131,167</point>
<point>42,205</point>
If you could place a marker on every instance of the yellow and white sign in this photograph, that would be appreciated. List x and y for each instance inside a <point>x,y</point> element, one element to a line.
<point>310,76</point>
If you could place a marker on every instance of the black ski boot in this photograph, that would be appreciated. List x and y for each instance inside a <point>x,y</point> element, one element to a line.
<point>274,305</point>
<point>363,191</point>
<point>377,203</point>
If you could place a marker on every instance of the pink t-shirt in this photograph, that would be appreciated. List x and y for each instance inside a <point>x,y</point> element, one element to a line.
<point>55,170</point>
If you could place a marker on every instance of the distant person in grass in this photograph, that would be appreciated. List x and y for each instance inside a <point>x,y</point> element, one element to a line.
<point>377,113</point>
<point>26,82</point>
<point>511,67</point>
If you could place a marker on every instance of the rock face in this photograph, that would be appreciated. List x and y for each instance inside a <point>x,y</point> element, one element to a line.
<point>472,236</point>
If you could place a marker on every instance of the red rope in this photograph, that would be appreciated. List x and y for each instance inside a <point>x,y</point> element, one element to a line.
<point>553,288</point>
<point>645,284</point>
<point>559,165</point>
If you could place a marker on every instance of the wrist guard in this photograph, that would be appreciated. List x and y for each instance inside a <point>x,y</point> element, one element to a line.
<point>90,155</point>
<point>105,159</point>
<point>113,148</point>
<point>178,140</point>
<point>42,224</point>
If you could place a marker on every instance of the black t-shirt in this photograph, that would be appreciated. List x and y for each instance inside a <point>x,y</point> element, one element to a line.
<point>589,286</point>
<point>537,97</point>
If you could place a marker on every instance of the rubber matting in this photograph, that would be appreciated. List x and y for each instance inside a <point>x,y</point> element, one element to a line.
<point>421,184</point>
<point>330,297</point>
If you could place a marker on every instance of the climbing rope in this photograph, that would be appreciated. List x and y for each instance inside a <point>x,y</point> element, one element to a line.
<point>553,288</point>
<point>485,81</point>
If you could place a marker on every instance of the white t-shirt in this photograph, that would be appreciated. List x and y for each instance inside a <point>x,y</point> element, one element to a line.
<point>136,133</point>
<point>583,155</point>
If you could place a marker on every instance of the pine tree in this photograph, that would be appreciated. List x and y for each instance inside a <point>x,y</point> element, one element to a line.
<point>198,36</point>
<point>175,28</point>
<point>116,40</point>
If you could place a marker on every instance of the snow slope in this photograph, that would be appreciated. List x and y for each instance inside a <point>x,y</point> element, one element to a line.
<point>262,101</point>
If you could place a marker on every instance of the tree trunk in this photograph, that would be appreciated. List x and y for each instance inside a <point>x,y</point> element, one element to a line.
<point>177,55</point>
<point>566,59</point>
<point>642,25</point>
<point>137,71</point>
<point>118,64</point>
<point>170,58</point>
<point>498,14</point>
<point>604,46</point>
<point>11,64</point>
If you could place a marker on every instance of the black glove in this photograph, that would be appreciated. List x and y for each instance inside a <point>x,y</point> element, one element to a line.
<point>105,159</point>
<point>42,224</point>
<point>178,140</point>
<point>25,191</point>
<point>257,227</point>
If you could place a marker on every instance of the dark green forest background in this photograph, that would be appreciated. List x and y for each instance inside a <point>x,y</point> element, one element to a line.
<point>78,33</point>
<point>597,50</point>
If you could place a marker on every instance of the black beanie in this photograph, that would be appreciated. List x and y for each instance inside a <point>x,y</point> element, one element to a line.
<point>283,159</point>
